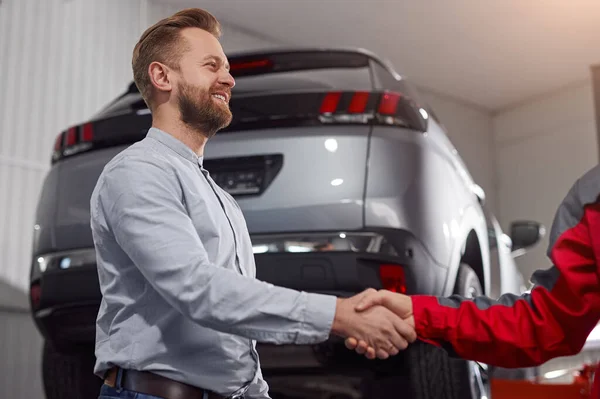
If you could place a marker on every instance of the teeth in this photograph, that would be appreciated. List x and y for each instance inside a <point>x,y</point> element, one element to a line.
<point>220,97</point>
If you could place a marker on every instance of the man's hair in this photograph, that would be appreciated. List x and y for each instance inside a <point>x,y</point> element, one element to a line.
<point>162,42</point>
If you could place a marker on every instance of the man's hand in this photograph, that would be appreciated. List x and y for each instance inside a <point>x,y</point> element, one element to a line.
<point>399,304</point>
<point>377,327</point>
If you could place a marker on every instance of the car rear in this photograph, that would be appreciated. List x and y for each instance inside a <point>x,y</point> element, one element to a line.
<point>295,157</point>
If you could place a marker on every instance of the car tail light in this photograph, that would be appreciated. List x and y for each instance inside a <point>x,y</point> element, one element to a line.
<point>389,103</point>
<point>358,104</point>
<point>330,103</point>
<point>74,140</point>
<point>381,108</point>
<point>58,142</point>
<point>87,132</point>
<point>254,64</point>
<point>71,136</point>
<point>35,294</point>
<point>392,278</point>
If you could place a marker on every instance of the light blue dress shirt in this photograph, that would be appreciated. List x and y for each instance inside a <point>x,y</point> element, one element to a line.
<point>180,296</point>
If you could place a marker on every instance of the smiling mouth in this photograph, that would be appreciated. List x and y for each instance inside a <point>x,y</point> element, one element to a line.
<point>220,97</point>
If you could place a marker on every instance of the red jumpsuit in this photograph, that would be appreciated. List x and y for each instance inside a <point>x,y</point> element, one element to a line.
<point>553,320</point>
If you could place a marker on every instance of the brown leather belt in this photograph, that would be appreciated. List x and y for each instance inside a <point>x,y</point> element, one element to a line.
<point>156,385</point>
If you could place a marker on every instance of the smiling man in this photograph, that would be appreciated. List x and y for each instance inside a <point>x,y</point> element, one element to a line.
<point>181,307</point>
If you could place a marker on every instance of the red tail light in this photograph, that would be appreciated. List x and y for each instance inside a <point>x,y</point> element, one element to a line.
<point>362,107</point>
<point>58,142</point>
<point>392,278</point>
<point>250,65</point>
<point>389,103</point>
<point>72,136</point>
<point>87,133</point>
<point>35,294</point>
<point>74,140</point>
<point>358,105</point>
<point>330,103</point>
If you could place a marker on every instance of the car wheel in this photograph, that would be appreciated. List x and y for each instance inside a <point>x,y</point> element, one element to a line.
<point>469,286</point>
<point>435,375</point>
<point>67,376</point>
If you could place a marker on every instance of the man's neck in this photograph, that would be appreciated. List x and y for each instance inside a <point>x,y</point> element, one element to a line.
<point>183,133</point>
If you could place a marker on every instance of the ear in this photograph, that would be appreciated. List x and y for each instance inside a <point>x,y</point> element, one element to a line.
<point>159,76</point>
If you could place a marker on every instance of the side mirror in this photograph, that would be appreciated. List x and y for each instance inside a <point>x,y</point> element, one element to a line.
<point>524,235</point>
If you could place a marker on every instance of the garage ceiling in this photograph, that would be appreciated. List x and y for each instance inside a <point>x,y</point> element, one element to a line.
<point>493,54</point>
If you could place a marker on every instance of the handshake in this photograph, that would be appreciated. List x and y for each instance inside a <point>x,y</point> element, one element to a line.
<point>375,323</point>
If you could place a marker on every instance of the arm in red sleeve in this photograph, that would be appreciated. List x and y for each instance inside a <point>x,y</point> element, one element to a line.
<point>553,320</point>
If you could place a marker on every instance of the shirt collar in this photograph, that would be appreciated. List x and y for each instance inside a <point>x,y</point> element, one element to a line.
<point>174,144</point>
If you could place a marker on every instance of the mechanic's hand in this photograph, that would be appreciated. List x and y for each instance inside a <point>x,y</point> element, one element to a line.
<point>379,328</point>
<point>400,304</point>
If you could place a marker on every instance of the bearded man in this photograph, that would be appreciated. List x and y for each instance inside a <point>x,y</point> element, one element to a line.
<point>181,308</point>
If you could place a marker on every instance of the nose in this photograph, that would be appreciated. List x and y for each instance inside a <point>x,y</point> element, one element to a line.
<point>226,79</point>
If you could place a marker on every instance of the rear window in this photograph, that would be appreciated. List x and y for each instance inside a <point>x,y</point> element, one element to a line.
<point>317,79</point>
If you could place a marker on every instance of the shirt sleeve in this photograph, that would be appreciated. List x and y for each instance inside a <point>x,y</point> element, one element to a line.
<point>554,319</point>
<point>142,205</point>
<point>258,389</point>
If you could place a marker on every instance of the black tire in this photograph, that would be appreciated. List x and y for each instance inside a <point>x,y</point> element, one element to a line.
<point>434,374</point>
<point>69,376</point>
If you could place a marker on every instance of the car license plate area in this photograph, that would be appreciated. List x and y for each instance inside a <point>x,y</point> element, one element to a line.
<point>244,176</point>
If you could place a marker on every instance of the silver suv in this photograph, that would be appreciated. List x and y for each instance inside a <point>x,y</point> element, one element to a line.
<point>347,181</point>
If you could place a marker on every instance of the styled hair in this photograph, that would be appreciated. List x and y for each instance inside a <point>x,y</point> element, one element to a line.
<point>163,43</point>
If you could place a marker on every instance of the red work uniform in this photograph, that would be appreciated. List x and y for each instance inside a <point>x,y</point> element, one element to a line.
<point>553,320</point>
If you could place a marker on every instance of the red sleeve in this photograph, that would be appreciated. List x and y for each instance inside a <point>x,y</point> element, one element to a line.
<point>553,320</point>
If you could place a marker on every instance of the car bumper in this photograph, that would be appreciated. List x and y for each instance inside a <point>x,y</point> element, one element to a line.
<point>68,300</point>
<point>331,355</point>
<point>67,305</point>
<point>345,266</point>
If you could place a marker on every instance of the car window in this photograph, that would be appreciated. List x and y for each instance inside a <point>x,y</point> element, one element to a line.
<point>318,79</point>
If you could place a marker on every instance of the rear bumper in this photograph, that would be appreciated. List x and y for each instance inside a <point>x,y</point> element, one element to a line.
<point>68,305</point>
<point>347,272</point>
<point>69,299</point>
<point>332,355</point>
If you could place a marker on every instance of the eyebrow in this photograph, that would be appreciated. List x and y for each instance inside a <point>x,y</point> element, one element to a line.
<point>218,59</point>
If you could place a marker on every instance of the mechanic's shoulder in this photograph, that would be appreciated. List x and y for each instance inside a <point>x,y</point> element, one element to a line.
<point>586,189</point>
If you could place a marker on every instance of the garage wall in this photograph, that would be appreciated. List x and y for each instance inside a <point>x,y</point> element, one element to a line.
<point>20,347</point>
<point>59,61</point>
<point>233,39</point>
<point>76,61</point>
<point>543,146</point>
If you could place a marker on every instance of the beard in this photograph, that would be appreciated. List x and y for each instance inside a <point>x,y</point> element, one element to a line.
<point>201,112</point>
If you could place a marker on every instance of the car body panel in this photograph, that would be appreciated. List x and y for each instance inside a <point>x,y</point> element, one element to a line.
<point>78,177</point>
<point>320,185</point>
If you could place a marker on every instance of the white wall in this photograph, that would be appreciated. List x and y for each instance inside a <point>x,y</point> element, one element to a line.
<point>233,38</point>
<point>543,146</point>
<point>20,356</point>
<point>60,61</point>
